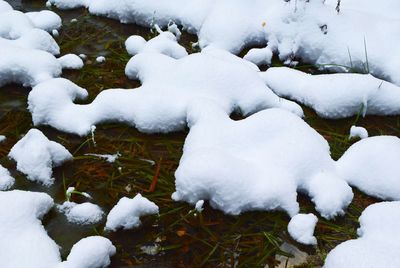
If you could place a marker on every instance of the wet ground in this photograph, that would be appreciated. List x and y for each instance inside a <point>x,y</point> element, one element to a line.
<point>178,237</point>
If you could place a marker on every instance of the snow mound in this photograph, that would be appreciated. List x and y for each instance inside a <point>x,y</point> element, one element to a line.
<point>45,20</point>
<point>169,86</point>
<point>378,244</point>
<point>85,213</point>
<point>310,30</point>
<point>6,180</point>
<point>90,252</point>
<point>35,39</point>
<point>258,163</point>
<point>259,56</point>
<point>36,156</point>
<point>301,228</point>
<point>373,166</point>
<point>358,132</point>
<point>14,24</point>
<point>70,61</point>
<point>165,43</point>
<point>127,212</point>
<point>25,243</point>
<point>4,6</point>
<point>336,95</point>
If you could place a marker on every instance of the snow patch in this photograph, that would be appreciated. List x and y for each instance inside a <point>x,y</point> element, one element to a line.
<point>373,166</point>
<point>336,95</point>
<point>378,243</point>
<point>358,132</point>
<point>301,228</point>
<point>258,163</point>
<point>127,212</point>
<point>36,156</point>
<point>84,214</point>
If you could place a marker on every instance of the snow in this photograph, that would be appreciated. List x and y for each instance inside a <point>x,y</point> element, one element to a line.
<point>199,206</point>
<point>373,166</point>
<point>100,59</point>
<point>258,163</point>
<point>358,132</point>
<point>2,138</point>
<point>4,6</point>
<point>309,30</point>
<point>127,212</point>
<point>169,87</point>
<point>55,33</point>
<point>36,156</point>
<point>6,180</point>
<point>165,43</point>
<point>70,61</point>
<point>335,95</point>
<point>45,20</point>
<point>14,24</point>
<point>110,158</point>
<point>378,243</point>
<point>85,213</point>
<point>301,228</point>
<point>34,39</point>
<point>90,252</point>
<point>25,243</point>
<point>259,56</point>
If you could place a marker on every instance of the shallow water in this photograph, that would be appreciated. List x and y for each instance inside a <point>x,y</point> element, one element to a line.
<point>183,239</point>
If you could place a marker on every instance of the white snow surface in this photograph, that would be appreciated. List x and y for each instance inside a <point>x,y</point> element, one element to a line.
<point>310,30</point>
<point>378,244</point>
<point>100,59</point>
<point>165,43</point>
<point>90,252</point>
<point>127,212</point>
<point>169,87</point>
<point>25,243</point>
<point>36,155</point>
<point>70,61</point>
<point>373,166</point>
<point>301,228</point>
<point>110,158</point>
<point>85,213</point>
<point>6,180</point>
<point>45,20</point>
<point>258,163</point>
<point>259,56</point>
<point>335,95</point>
<point>358,132</point>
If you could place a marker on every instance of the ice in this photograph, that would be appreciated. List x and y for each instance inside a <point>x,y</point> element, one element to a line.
<point>335,95</point>
<point>127,212</point>
<point>258,163</point>
<point>373,166</point>
<point>36,156</point>
<point>378,243</point>
<point>301,228</point>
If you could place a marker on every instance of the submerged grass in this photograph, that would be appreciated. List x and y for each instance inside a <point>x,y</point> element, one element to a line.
<point>179,236</point>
